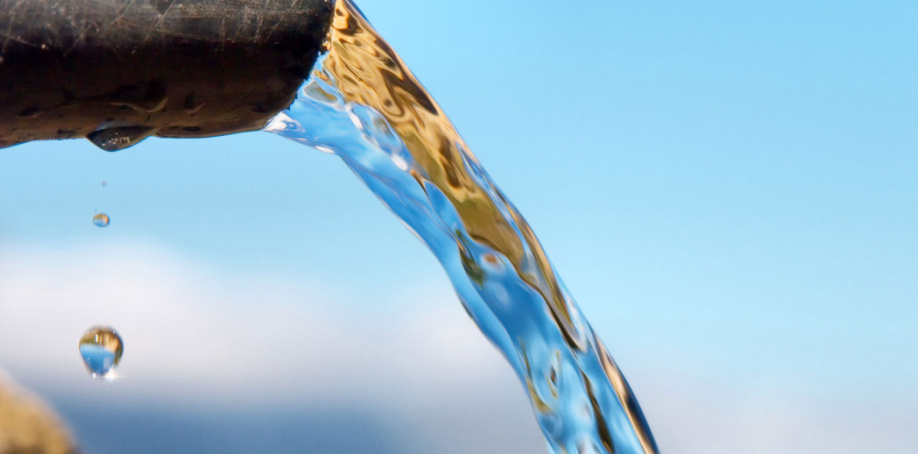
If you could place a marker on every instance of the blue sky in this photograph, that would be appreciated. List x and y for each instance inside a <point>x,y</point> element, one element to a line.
<point>729,191</point>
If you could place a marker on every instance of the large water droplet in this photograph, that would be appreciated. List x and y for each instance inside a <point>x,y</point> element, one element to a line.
<point>101,220</point>
<point>101,348</point>
<point>119,138</point>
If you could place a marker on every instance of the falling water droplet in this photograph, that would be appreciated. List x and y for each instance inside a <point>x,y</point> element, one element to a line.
<point>101,220</point>
<point>119,138</point>
<point>101,348</point>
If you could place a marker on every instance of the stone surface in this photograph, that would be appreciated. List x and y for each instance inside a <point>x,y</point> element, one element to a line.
<point>28,426</point>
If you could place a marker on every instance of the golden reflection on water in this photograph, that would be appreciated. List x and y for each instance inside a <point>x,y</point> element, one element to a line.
<point>367,71</point>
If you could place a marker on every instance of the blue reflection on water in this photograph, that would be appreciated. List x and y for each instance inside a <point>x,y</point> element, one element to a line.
<point>98,359</point>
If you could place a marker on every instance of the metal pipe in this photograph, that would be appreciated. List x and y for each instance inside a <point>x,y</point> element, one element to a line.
<point>117,71</point>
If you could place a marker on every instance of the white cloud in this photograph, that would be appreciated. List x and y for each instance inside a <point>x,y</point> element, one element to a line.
<point>188,328</point>
<point>196,335</point>
<point>699,415</point>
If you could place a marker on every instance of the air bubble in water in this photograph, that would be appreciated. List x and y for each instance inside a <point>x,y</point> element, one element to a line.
<point>101,220</point>
<point>101,348</point>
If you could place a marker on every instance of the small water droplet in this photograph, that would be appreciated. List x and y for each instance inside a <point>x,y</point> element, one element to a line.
<point>101,348</point>
<point>101,220</point>
<point>119,138</point>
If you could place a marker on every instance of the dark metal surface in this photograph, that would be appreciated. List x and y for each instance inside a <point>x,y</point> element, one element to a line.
<point>171,68</point>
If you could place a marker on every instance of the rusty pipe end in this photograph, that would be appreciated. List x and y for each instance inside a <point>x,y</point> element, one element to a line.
<point>117,71</point>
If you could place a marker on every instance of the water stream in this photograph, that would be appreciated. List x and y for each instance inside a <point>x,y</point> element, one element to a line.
<point>362,104</point>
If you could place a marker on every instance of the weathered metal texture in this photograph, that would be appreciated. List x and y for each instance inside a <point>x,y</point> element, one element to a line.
<point>171,68</point>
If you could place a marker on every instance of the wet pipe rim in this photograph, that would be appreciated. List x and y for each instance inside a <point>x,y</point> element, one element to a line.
<point>167,68</point>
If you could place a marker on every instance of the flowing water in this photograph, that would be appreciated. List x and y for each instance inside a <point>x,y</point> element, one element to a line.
<point>362,104</point>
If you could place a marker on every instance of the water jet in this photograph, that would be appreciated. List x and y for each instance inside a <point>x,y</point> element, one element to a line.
<point>323,77</point>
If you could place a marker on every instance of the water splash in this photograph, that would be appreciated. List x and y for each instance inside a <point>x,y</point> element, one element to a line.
<point>364,105</point>
<point>101,348</point>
